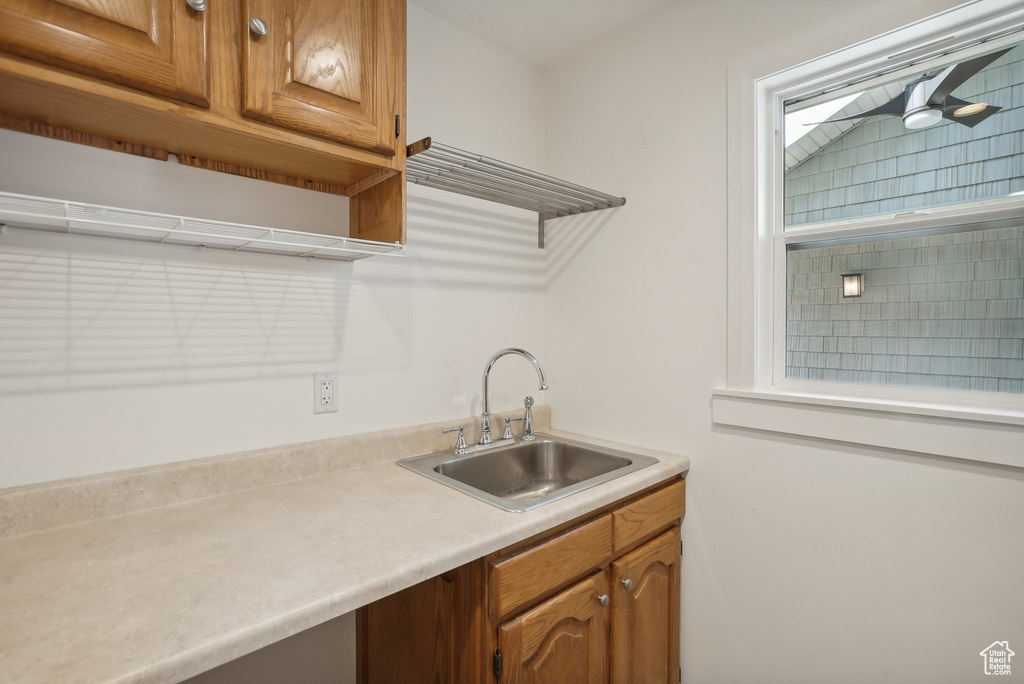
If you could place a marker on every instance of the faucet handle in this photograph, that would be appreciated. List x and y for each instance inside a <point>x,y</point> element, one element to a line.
<point>508,428</point>
<point>528,422</point>
<point>460,446</point>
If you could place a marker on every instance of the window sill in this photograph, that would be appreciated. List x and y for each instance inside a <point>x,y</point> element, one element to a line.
<point>967,433</point>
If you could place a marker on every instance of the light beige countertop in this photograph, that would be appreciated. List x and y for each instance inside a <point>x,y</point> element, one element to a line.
<point>162,594</point>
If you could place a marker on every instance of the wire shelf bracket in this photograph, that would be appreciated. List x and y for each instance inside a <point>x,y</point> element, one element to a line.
<point>435,165</point>
<point>78,218</point>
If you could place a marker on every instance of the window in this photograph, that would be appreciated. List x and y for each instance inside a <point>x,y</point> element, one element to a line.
<point>899,164</point>
<point>938,309</point>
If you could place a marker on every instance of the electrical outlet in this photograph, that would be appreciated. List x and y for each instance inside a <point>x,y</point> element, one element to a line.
<point>325,388</point>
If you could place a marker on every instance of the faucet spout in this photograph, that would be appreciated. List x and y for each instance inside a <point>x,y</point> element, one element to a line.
<point>485,432</point>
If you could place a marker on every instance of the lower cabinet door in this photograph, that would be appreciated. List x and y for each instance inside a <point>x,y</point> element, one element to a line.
<point>563,640</point>
<point>645,613</point>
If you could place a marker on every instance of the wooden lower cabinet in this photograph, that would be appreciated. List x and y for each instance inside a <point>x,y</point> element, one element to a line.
<point>563,639</point>
<point>532,613</point>
<point>645,613</point>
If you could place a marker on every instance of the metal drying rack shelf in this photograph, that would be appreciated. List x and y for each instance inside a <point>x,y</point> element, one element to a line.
<point>448,168</point>
<point>78,218</point>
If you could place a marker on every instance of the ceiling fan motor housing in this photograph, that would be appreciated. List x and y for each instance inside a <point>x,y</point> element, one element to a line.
<point>918,112</point>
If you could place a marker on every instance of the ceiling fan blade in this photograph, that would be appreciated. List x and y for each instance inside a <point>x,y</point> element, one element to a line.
<point>893,107</point>
<point>956,102</point>
<point>970,121</point>
<point>940,87</point>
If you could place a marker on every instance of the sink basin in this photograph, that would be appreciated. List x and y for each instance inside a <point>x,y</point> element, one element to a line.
<point>524,475</point>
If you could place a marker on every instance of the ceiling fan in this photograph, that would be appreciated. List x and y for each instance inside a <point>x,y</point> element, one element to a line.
<point>927,100</point>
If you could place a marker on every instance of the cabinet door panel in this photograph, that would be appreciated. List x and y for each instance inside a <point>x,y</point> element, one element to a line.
<point>326,68</point>
<point>154,45</point>
<point>645,622</point>
<point>562,640</point>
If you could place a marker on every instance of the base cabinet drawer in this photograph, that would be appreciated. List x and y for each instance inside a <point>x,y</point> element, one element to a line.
<point>530,575</point>
<point>639,519</point>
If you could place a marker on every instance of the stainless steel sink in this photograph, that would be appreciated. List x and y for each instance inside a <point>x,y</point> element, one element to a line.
<point>522,476</point>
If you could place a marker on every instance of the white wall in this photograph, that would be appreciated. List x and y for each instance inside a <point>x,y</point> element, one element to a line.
<point>116,355</point>
<point>805,561</point>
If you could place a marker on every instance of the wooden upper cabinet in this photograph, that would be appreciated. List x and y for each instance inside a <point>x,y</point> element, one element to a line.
<point>645,609</point>
<point>325,68</point>
<point>562,640</point>
<point>158,46</point>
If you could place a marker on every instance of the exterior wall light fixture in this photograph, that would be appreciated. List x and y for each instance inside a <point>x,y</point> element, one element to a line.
<point>853,284</point>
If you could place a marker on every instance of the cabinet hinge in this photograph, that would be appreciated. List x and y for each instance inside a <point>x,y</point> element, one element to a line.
<point>398,125</point>
<point>497,664</point>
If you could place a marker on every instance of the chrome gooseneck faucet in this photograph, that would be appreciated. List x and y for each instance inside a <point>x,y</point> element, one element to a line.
<point>485,432</point>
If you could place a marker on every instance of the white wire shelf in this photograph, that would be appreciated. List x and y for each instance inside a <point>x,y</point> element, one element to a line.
<point>444,167</point>
<point>78,218</point>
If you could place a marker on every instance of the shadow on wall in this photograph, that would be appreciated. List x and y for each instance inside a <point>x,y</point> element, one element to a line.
<point>86,313</point>
<point>464,243</point>
<point>80,313</point>
<point>566,237</point>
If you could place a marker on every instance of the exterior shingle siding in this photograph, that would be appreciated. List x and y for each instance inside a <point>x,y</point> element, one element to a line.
<point>939,311</point>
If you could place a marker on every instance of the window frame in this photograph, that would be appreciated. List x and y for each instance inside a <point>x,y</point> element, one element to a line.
<point>758,239</point>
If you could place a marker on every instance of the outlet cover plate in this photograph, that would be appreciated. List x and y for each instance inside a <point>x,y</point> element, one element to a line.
<point>325,393</point>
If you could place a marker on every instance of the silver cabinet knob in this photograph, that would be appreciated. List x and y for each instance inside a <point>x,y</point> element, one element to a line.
<point>197,5</point>
<point>603,600</point>
<point>627,584</point>
<point>258,26</point>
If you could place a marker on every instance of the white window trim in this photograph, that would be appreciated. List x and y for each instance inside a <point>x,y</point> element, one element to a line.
<point>973,425</point>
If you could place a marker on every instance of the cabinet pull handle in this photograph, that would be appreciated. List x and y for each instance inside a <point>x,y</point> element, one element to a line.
<point>603,600</point>
<point>257,26</point>
<point>627,584</point>
<point>197,5</point>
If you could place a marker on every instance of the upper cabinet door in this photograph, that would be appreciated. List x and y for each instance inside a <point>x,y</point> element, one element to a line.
<point>325,67</point>
<point>645,606</point>
<point>562,640</point>
<point>154,45</point>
